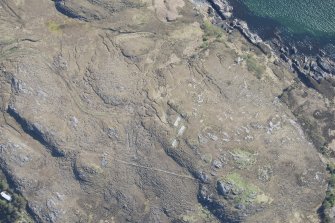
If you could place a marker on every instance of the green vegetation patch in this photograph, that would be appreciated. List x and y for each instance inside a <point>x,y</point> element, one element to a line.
<point>13,211</point>
<point>6,42</point>
<point>211,33</point>
<point>8,48</point>
<point>244,191</point>
<point>198,215</point>
<point>243,158</point>
<point>254,66</point>
<point>92,168</point>
<point>54,26</point>
<point>211,30</point>
<point>330,194</point>
<point>310,126</point>
<point>329,201</point>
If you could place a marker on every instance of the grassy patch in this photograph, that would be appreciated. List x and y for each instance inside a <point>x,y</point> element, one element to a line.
<point>329,201</point>
<point>204,45</point>
<point>198,215</point>
<point>314,133</point>
<point>263,199</point>
<point>8,48</point>
<point>6,42</point>
<point>254,66</point>
<point>243,158</point>
<point>54,26</point>
<point>95,168</point>
<point>211,30</point>
<point>13,211</point>
<point>245,192</point>
<point>211,33</point>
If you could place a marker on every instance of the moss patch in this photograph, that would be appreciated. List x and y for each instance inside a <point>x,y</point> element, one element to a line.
<point>211,30</point>
<point>245,192</point>
<point>310,126</point>
<point>243,158</point>
<point>211,33</point>
<point>95,168</point>
<point>54,26</point>
<point>8,48</point>
<point>254,66</point>
<point>198,215</point>
<point>263,199</point>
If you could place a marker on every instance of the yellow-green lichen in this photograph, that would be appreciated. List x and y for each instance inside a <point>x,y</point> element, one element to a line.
<point>243,158</point>
<point>254,66</point>
<point>211,30</point>
<point>54,26</point>
<point>245,192</point>
<point>198,215</point>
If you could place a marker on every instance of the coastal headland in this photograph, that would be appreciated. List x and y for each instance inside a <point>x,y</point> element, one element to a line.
<point>158,111</point>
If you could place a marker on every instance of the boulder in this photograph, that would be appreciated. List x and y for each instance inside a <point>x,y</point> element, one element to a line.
<point>223,188</point>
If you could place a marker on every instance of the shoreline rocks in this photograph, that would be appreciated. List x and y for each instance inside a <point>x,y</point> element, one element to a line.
<point>318,67</point>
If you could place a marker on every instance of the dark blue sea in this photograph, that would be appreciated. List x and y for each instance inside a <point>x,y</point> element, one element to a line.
<point>307,24</point>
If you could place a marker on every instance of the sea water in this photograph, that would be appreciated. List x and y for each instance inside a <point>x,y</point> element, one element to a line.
<point>307,22</point>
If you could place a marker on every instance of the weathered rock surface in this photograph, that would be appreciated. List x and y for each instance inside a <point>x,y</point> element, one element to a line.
<point>114,111</point>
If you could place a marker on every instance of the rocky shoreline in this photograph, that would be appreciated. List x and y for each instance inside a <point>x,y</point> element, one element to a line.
<point>315,71</point>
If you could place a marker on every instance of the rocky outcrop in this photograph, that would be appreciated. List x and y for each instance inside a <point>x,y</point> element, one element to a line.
<point>64,8</point>
<point>222,7</point>
<point>36,132</point>
<point>243,27</point>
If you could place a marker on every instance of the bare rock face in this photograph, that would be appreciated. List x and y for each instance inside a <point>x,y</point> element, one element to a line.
<point>118,111</point>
